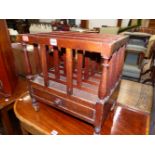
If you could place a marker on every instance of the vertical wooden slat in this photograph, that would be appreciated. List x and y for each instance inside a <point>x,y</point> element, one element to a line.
<point>27,61</point>
<point>93,63</point>
<point>86,68</point>
<point>37,59</point>
<point>103,87</point>
<point>44,63</point>
<point>64,59</point>
<point>74,59</point>
<point>79,68</point>
<point>69,70</point>
<point>98,64</point>
<point>48,57</point>
<point>56,63</point>
<point>93,67</point>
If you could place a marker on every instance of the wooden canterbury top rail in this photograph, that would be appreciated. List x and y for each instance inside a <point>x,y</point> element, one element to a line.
<point>105,44</point>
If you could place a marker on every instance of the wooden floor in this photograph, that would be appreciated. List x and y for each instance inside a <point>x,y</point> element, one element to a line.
<point>123,121</point>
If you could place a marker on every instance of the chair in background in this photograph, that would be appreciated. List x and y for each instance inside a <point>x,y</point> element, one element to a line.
<point>137,57</point>
<point>151,69</point>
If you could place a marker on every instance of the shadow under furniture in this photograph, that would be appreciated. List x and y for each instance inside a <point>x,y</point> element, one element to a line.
<point>75,84</point>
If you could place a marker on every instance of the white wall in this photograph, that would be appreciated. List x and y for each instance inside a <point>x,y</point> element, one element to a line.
<point>100,22</point>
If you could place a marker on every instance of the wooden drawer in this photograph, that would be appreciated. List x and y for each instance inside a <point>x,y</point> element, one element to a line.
<point>66,105</point>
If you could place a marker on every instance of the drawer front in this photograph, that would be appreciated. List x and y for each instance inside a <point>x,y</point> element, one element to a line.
<point>69,106</point>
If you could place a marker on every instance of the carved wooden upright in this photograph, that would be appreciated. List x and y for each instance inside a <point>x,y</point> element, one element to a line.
<point>86,70</point>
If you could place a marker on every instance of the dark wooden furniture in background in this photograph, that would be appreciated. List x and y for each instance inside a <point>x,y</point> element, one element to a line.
<point>76,84</point>
<point>119,22</point>
<point>8,78</point>
<point>151,23</point>
<point>84,24</point>
<point>51,121</point>
<point>6,104</point>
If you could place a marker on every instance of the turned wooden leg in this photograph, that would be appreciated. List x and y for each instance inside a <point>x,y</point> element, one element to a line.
<point>98,118</point>
<point>35,104</point>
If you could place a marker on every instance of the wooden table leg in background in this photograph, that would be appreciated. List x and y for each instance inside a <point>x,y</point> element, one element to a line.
<point>6,120</point>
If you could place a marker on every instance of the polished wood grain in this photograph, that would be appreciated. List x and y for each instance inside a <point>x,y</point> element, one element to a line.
<point>100,43</point>
<point>122,121</point>
<point>8,78</point>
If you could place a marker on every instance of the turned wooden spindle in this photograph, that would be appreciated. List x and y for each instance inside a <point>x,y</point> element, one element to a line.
<point>69,70</point>
<point>103,87</point>
<point>27,61</point>
<point>99,107</point>
<point>44,63</point>
<point>79,68</point>
<point>56,63</point>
